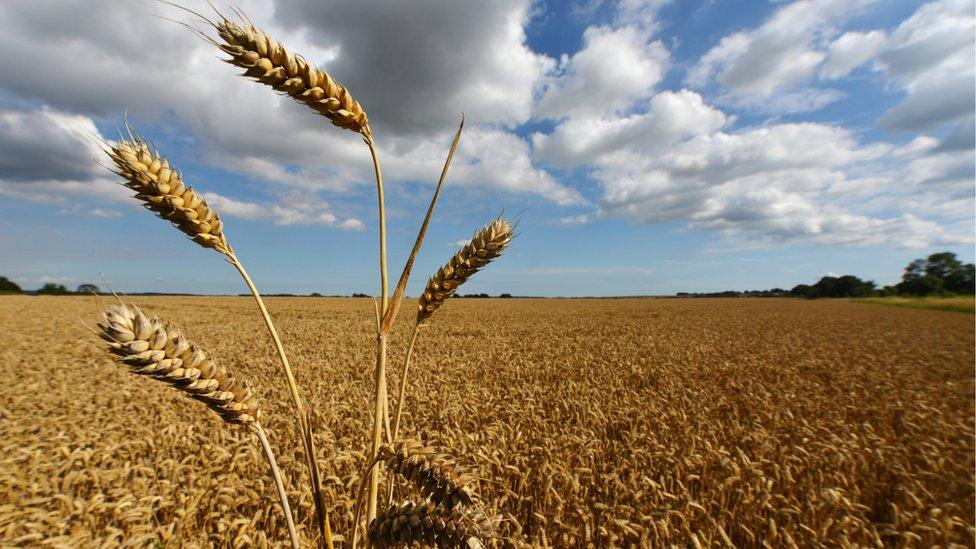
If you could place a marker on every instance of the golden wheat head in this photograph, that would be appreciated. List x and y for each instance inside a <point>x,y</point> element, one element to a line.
<point>487,244</point>
<point>410,523</point>
<point>264,59</point>
<point>161,189</point>
<point>159,350</point>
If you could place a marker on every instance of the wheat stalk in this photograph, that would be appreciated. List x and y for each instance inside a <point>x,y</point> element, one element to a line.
<point>409,523</point>
<point>486,245</point>
<point>161,190</point>
<point>266,60</point>
<point>152,348</point>
<point>160,187</point>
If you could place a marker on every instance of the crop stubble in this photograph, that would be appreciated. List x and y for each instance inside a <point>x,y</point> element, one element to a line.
<point>591,421</point>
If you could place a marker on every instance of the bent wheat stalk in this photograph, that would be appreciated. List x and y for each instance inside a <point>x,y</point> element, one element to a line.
<point>161,189</point>
<point>152,348</point>
<point>266,60</point>
<point>485,246</point>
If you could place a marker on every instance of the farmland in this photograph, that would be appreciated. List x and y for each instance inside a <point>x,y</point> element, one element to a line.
<point>606,422</point>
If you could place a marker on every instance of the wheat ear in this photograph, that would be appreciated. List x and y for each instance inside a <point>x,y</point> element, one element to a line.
<point>433,473</point>
<point>486,245</point>
<point>161,190</point>
<point>151,348</point>
<point>266,60</point>
<point>409,523</point>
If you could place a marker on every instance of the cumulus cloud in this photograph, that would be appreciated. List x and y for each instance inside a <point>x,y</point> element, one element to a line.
<point>779,53</point>
<point>775,184</point>
<point>767,68</point>
<point>931,57</point>
<point>615,67</point>
<point>415,66</point>
<point>669,116</point>
<point>771,68</point>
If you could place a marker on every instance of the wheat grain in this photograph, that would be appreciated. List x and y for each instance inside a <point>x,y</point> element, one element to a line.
<point>161,189</point>
<point>266,60</point>
<point>160,350</point>
<point>487,244</point>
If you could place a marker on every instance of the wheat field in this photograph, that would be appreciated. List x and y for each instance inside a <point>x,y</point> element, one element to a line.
<point>625,422</point>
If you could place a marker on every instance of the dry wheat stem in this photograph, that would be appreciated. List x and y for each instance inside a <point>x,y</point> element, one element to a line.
<point>403,382</point>
<point>380,400</point>
<point>150,347</point>
<point>304,425</point>
<point>487,244</point>
<point>408,266</point>
<point>267,61</point>
<point>279,484</point>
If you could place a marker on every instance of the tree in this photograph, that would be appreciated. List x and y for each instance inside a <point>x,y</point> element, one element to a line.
<point>9,286</point>
<point>802,290</point>
<point>53,289</point>
<point>937,273</point>
<point>843,286</point>
<point>87,289</point>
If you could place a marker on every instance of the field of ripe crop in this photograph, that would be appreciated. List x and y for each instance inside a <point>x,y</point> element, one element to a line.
<point>709,422</point>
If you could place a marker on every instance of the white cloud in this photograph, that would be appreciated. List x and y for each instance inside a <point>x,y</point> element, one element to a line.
<point>775,184</point>
<point>107,214</point>
<point>930,55</point>
<point>297,211</point>
<point>850,51</point>
<point>781,52</point>
<point>770,68</point>
<point>670,116</point>
<point>47,279</point>
<point>580,219</point>
<point>795,101</point>
<point>615,67</point>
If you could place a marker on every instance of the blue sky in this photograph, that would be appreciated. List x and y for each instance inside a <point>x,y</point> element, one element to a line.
<point>647,146</point>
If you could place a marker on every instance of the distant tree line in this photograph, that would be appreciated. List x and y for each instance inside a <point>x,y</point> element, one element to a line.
<point>938,274</point>
<point>8,286</point>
